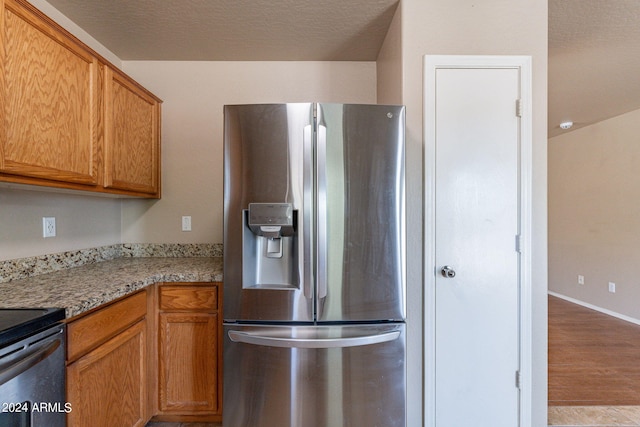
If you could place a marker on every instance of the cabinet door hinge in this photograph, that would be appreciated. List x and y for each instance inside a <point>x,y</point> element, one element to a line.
<point>517,379</point>
<point>518,107</point>
<point>518,244</point>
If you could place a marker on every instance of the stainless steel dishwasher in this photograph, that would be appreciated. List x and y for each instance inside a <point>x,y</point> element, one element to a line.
<point>32,371</point>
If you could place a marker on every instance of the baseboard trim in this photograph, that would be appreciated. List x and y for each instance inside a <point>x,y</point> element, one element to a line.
<point>596,308</point>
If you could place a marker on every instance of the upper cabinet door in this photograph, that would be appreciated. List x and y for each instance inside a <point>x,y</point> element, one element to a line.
<point>132,136</point>
<point>49,101</point>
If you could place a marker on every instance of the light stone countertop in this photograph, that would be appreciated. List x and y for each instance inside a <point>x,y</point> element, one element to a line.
<point>82,288</point>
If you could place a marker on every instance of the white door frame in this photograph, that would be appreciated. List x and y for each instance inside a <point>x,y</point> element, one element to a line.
<point>431,64</point>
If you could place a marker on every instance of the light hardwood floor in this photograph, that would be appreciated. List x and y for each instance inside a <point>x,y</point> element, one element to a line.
<point>594,367</point>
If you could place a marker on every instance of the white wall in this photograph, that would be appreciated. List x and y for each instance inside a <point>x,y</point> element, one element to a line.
<point>81,222</point>
<point>594,214</point>
<point>194,94</point>
<point>389,64</point>
<point>491,27</point>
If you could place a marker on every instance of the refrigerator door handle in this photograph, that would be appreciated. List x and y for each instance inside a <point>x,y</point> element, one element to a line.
<point>290,342</point>
<point>305,262</point>
<point>321,149</point>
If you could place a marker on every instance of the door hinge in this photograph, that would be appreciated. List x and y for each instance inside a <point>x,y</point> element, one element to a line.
<point>517,379</point>
<point>518,244</point>
<point>518,107</point>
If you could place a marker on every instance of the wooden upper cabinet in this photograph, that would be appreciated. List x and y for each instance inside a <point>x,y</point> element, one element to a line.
<point>69,118</point>
<point>50,100</point>
<point>132,136</point>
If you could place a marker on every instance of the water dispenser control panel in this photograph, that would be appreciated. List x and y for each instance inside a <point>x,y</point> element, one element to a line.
<point>271,220</point>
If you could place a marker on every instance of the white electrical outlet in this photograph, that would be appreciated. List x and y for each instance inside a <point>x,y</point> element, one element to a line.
<point>48,226</point>
<point>580,279</point>
<point>612,287</point>
<point>186,223</point>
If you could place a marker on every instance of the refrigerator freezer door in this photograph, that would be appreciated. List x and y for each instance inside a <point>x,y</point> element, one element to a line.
<point>361,213</point>
<point>268,152</point>
<point>333,382</point>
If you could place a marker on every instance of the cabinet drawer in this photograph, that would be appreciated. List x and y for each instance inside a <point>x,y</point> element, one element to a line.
<point>185,297</point>
<point>93,329</point>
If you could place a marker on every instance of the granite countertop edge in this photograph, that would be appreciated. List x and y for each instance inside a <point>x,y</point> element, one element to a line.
<point>81,289</point>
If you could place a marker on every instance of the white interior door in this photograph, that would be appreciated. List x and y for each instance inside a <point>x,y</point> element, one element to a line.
<point>474,279</point>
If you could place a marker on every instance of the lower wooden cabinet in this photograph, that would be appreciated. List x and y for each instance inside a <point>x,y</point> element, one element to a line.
<point>153,355</point>
<point>189,352</point>
<point>107,386</point>
<point>107,366</point>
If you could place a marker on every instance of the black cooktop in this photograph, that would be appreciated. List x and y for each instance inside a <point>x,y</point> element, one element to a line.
<point>18,323</point>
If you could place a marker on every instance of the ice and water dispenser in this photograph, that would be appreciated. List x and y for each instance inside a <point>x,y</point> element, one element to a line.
<point>269,246</point>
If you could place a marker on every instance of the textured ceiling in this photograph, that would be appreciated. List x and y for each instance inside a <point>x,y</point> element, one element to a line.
<point>594,45</point>
<point>235,30</point>
<point>594,60</point>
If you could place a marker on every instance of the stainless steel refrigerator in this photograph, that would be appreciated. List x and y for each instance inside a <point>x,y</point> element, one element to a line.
<point>314,266</point>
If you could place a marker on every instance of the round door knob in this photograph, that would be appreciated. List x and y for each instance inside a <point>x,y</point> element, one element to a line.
<point>448,272</point>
